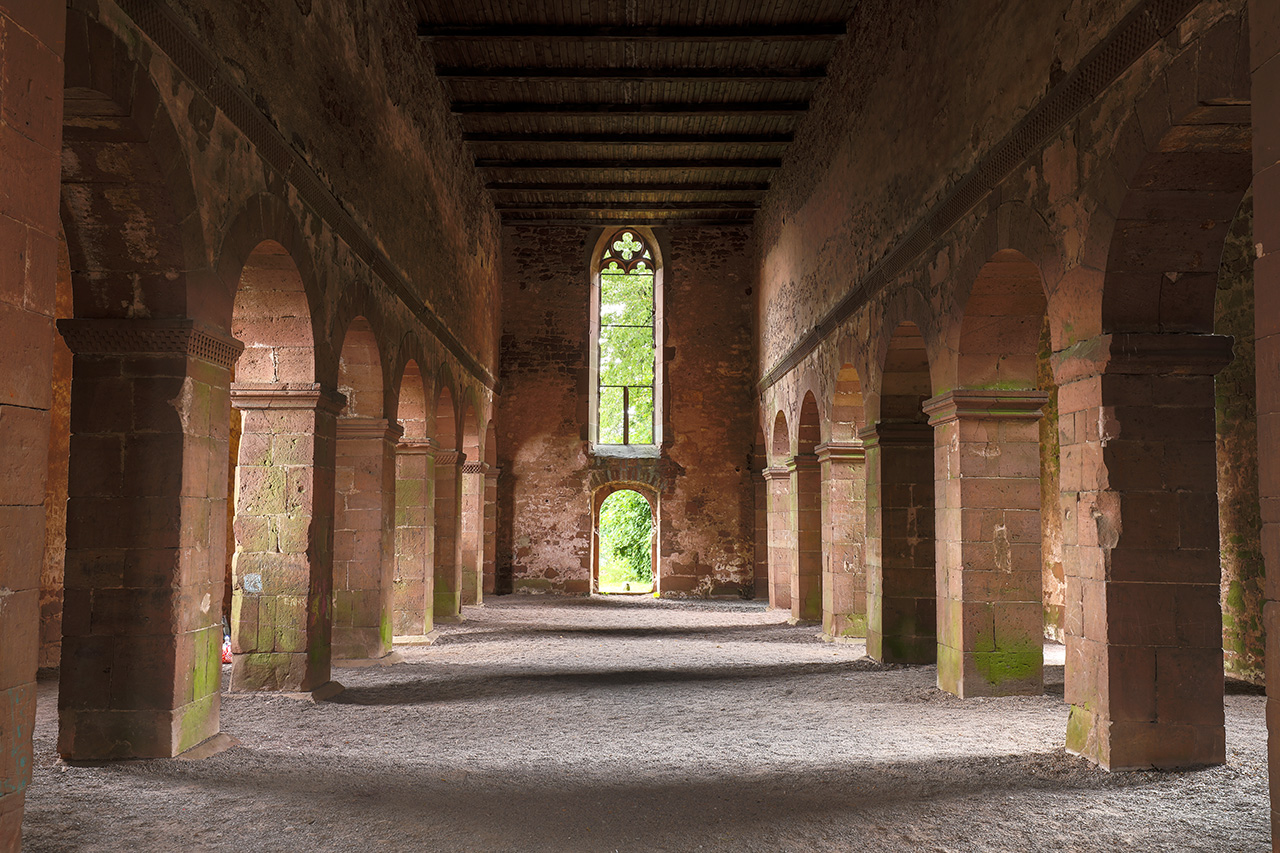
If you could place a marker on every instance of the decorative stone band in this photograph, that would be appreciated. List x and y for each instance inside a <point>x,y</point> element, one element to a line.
<point>985,404</point>
<point>840,451</point>
<point>450,457</point>
<point>150,337</point>
<point>369,429</point>
<point>474,467</point>
<point>416,447</point>
<point>492,472</point>
<point>777,472</point>
<point>893,434</point>
<point>1144,354</point>
<point>286,395</point>
<point>803,462</point>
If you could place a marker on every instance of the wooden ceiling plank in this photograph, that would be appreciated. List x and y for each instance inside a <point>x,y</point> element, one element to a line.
<point>597,165</point>
<point>639,206</point>
<point>811,74</point>
<point>660,186</point>
<point>823,31</point>
<point>623,138</point>
<point>764,108</point>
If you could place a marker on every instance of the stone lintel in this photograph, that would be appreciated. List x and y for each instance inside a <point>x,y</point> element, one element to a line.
<point>1143,353</point>
<point>840,451</point>
<point>985,404</point>
<point>150,338</point>
<point>802,462</point>
<point>777,472</point>
<point>896,434</point>
<point>369,429</point>
<point>286,395</point>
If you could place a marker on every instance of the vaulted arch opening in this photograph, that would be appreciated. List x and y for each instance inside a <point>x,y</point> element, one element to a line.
<point>414,582</point>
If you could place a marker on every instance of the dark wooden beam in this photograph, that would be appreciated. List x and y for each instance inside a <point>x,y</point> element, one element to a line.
<point>530,74</point>
<point>541,32</point>
<point>656,187</point>
<point>761,108</point>
<point>584,221</point>
<point>633,165</point>
<point>632,138</point>
<point>560,137</point>
<point>627,205</point>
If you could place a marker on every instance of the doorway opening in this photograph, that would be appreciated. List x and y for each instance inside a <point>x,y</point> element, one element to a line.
<point>624,543</point>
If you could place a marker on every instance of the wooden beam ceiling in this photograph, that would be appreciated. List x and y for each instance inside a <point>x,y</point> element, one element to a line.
<point>586,112</point>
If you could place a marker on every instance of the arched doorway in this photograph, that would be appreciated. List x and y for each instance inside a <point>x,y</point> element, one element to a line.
<point>623,545</point>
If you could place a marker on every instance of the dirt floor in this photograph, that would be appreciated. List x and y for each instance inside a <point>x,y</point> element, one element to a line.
<point>641,725</point>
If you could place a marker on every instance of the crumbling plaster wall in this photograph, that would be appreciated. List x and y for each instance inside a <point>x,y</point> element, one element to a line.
<point>706,500</point>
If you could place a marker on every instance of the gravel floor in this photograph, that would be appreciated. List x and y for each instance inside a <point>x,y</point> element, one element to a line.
<point>640,725</point>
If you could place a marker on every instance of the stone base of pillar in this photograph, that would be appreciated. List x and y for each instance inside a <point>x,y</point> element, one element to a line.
<point>102,735</point>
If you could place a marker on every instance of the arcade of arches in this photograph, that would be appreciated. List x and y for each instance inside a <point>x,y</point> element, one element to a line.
<point>982,352</point>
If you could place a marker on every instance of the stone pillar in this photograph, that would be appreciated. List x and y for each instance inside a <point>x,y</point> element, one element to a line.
<point>472,530</point>
<point>490,539</point>
<point>282,571</point>
<point>447,593</point>
<point>806,534</point>
<point>901,603</point>
<point>146,537</point>
<point>30,153</point>
<point>989,573</point>
<point>415,542</point>
<point>364,538</point>
<point>760,580</point>
<point>844,530</point>
<point>1264,28</point>
<point>781,543</point>
<point>1139,491</point>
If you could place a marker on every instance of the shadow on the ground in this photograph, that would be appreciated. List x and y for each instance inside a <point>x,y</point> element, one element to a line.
<point>489,685</point>
<point>775,633</point>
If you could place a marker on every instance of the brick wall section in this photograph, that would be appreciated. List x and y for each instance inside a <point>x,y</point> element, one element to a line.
<point>31,44</point>
<point>1264,23</point>
<point>706,537</point>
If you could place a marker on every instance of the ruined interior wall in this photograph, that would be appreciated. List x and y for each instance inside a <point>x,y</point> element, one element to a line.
<point>707,504</point>
<point>1239,514</point>
<point>711,419</point>
<point>1054,584</point>
<point>352,87</point>
<point>916,111</point>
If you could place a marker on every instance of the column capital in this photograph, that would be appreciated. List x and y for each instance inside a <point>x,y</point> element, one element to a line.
<point>1140,353</point>
<point>286,395</point>
<point>985,404</point>
<point>450,457</point>
<point>840,451</point>
<point>474,467</point>
<point>492,472</point>
<point>417,447</point>
<point>896,434</point>
<point>150,338</point>
<point>777,472</point>
<point>802,462</point>
<point>369,429</point>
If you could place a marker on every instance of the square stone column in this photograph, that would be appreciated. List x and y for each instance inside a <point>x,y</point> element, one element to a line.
<point>844,533</point>
<point>146,537</point>
<point>415,539</point>
<point>447,593</point>
<point>1264,27</point>
<point>490,538</point>
<point>989,584</point>
<point>472,528</point>
<point>806,534</point>
<point>781,537</point>
<point>901,594</point>
<point>1139,492</point>
<point>364,538</point>
<point>282,571</point>
<point>30,151</point>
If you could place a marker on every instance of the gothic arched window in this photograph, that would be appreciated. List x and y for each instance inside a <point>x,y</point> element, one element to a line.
<point>626,404</point>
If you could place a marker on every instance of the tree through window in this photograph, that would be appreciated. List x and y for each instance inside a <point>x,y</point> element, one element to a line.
<point>626,341</point>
